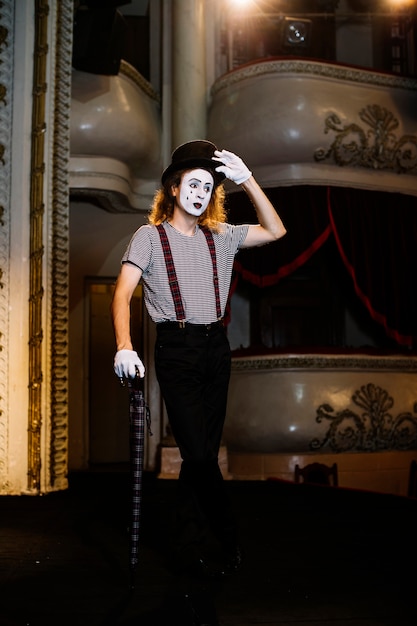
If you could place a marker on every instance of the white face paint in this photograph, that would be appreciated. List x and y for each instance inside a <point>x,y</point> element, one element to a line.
<point>195,191</point>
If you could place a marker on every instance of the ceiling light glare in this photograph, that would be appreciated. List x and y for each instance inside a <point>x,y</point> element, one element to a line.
<point>241,4</point>
<point>397,5</point>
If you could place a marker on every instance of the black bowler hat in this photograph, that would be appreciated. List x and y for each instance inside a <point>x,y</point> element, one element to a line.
<point>193,155</point>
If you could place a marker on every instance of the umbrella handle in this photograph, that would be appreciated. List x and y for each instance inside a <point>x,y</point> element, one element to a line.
<point>137,382</point>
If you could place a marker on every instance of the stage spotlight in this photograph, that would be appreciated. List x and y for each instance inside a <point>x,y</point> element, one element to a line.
<point>297,32</point>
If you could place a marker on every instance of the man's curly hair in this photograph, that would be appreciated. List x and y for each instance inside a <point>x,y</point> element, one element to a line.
<point>163,204</point>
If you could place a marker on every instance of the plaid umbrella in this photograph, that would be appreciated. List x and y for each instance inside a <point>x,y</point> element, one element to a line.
<point>138,412</point>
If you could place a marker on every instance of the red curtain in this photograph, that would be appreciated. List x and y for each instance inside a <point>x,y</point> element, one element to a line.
<point>375,233</point>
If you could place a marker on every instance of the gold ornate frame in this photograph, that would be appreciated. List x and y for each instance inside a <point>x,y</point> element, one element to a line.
<point>57,277</point>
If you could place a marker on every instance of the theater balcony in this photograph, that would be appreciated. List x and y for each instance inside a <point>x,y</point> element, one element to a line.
<point>115,139</point>
<point>320,98</point>
<point>310,122</point>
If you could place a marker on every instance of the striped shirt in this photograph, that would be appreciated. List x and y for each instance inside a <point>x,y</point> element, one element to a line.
<point>193,266</point>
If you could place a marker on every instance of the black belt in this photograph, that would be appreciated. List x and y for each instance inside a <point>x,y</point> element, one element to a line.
<point>192,327</point>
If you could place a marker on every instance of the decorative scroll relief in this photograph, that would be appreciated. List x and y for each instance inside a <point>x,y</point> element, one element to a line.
<point>377,148</point>
<point>375,429</point>
<point>6,79</point>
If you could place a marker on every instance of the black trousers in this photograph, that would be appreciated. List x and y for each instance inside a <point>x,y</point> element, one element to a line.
<point>193,370</point>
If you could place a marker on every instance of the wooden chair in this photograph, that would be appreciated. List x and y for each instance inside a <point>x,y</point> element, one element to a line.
<point>317,474</point>
<point>412,480</point>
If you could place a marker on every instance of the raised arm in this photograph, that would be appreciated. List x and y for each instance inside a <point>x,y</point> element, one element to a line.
<point>270,227</point>
<point>126,361</point>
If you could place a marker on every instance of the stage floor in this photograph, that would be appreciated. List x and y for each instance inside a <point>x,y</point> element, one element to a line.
<point>313,556</point>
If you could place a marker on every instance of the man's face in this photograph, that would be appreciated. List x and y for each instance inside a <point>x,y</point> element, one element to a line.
<point>195,191</point>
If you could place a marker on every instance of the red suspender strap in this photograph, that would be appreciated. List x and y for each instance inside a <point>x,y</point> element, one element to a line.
<point>212,248</point>
<point>172,276</point>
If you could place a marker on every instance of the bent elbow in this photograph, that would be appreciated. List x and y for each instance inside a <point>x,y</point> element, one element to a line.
<point>280,232</point>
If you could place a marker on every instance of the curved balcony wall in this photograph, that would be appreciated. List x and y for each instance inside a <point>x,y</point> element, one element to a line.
<point>115,139</point>
<point>303,122</point>
<point>358,412</point>
<point>307,122</point>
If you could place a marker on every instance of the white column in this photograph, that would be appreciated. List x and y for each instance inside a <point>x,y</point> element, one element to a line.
<point>34,140</point>
<point>189,97</point>
<point>15,235</point>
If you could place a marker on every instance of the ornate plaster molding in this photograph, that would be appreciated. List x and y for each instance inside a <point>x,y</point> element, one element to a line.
<point>323,362</point>
<point>54,329</point>
<point>60,248</point>
<point>313,68</point>
<point>128,70</point>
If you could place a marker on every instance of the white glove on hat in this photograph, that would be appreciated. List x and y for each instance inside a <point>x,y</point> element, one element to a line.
<point>233,167</point>
<point>127,364</point>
